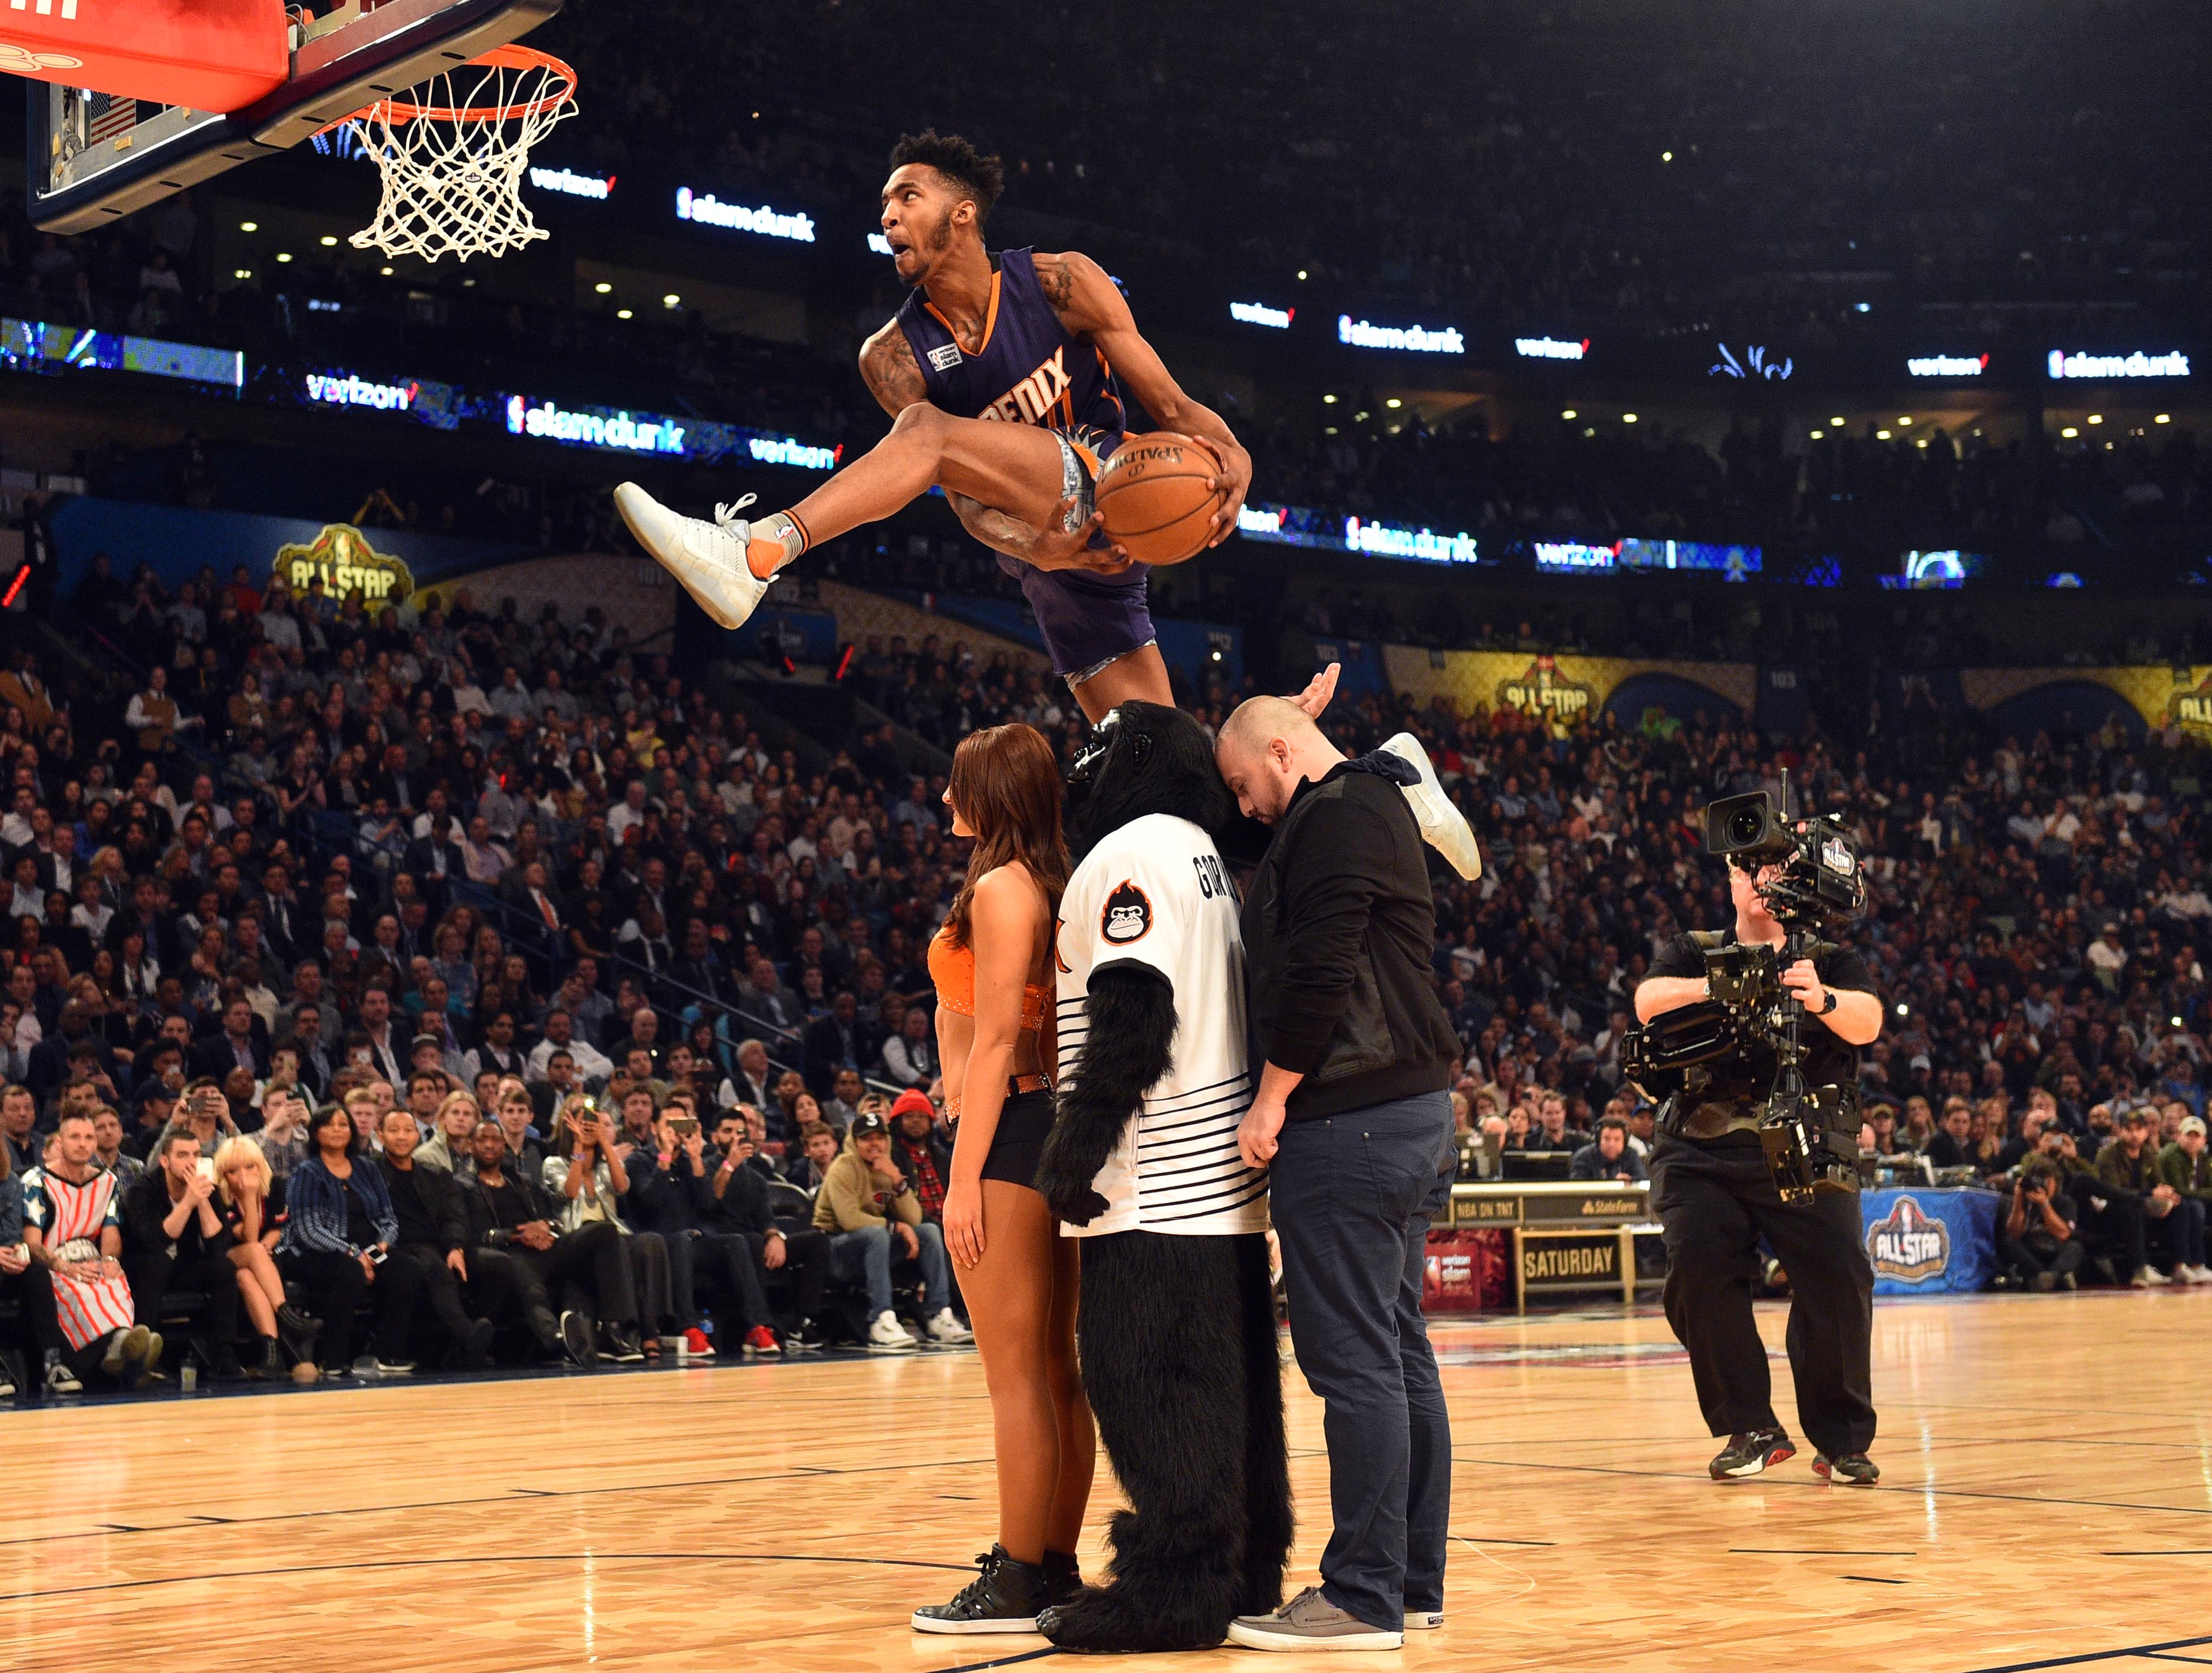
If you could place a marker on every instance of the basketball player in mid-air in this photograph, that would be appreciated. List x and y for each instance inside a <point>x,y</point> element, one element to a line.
<point>1003,380</point>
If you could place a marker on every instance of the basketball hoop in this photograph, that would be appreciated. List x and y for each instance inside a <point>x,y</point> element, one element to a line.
<point>452,151</point>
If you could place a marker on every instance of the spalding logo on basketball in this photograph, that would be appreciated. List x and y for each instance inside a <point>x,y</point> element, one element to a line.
<point>1908,1246</point>
<point>1127,915</point>
<point>1157,497</point>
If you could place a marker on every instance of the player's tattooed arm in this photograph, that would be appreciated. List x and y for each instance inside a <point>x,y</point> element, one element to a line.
<point>1054,546</point>
<point>1089,304</point>
<point>890,371</point>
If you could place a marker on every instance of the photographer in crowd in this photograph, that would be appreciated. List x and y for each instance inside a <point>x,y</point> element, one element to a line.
<point>1715,1194</point>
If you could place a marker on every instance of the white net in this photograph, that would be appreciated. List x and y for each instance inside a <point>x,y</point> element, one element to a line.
<point>452,154</point>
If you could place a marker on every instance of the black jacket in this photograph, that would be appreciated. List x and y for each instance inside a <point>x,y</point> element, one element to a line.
<point>441,1203</point>
<point>491,1229</point>
<point>673,1200</point>
<point>146,1204</point>
<point>1340,927</point>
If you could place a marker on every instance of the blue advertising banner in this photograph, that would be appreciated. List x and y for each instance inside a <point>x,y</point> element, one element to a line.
<point>1930,1242</point>
<point>176,541</point>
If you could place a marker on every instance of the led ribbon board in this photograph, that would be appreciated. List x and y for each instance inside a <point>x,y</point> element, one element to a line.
<point>2064,365</point>
<point>28,345</point>
<point>1412,339</point>
<point>1947,366</point>
<point>705,210</point>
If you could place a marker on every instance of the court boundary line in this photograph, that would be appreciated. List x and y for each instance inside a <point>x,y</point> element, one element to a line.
<point>2149,1651</point>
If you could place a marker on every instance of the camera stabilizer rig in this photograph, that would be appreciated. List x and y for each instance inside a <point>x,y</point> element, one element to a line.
<point>1809,1134</point>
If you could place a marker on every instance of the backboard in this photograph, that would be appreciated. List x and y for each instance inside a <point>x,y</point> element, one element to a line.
<point>94,156</point>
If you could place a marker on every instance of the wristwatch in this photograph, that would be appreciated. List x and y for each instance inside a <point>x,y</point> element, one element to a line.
<point>1830,1004</point>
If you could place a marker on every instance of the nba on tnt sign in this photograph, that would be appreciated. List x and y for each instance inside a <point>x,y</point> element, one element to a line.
<point>1908,1246</point>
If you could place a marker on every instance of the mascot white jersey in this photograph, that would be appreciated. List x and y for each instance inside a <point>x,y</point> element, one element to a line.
<point>1155,893</point>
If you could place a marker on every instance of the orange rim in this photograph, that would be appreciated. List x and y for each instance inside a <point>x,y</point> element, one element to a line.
<point>562,88</point>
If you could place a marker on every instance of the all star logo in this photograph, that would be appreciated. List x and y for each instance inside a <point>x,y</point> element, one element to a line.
<point>2191,705</point>
<point>1127,915</point>
<point>1545,691</point>
<point>1908,1246</point>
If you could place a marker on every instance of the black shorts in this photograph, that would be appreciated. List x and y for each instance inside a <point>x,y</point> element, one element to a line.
<point>1023,1120</point>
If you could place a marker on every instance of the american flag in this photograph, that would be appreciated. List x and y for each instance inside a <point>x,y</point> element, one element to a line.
<point>110,116</point>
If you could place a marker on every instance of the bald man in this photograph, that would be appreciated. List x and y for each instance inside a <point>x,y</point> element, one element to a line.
<point>1356,1057</point>
<point>1267,733</point>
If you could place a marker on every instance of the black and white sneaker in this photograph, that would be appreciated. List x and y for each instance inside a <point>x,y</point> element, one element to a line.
<point>1748,1454</point>
<point>1004,1599</point>
<point>808,1338</point>
<point>1853,1468</point>
<point>384,1367</point>
<point>60,1379</point>
<point>576,1338</point>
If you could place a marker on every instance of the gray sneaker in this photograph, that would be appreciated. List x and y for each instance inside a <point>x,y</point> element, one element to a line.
<point>1310,1621</point>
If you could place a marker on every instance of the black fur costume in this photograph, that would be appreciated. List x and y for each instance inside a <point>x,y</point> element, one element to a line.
<point>1176,1334</point>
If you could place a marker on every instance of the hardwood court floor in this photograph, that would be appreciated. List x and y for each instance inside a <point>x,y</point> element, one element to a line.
<point>2047,1495</point>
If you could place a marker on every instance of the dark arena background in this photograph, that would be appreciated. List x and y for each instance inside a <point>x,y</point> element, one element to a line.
<point>1644,400</point>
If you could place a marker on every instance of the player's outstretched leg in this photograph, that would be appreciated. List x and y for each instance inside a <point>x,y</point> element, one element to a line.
<point>1444,827</point>
<point>726,564</point>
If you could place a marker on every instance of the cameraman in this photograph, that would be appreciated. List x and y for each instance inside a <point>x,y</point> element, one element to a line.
<point>1713,1193</point>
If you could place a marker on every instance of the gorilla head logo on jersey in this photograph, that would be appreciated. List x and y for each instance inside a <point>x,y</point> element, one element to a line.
<point>1127,915</point>
<point>1145,757</point>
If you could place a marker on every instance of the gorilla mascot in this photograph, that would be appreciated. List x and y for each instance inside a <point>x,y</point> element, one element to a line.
<point>1176,1328</point>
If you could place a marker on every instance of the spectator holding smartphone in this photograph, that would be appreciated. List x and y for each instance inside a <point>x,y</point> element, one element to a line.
<point>745,1211</point>
<point>283,1137</point>
<point>587,1181</point>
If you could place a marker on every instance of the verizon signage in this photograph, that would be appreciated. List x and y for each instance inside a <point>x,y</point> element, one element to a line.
<point>1949,365</point>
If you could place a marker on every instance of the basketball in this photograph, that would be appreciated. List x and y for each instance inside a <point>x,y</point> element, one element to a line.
<point>1155,496</point>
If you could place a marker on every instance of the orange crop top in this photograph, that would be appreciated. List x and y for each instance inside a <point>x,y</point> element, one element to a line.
<point>953,970</point>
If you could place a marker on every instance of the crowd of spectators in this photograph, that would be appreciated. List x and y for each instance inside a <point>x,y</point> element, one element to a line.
<point>385,895</point>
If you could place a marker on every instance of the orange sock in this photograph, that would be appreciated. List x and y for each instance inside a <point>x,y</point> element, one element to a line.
<point>775,541</point>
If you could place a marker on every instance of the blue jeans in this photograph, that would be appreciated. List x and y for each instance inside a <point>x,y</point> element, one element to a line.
<point>1352,1197</point>
<point>866,1254</point>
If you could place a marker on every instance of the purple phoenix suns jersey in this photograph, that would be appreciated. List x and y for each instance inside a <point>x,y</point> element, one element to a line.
<point>1031,369</point>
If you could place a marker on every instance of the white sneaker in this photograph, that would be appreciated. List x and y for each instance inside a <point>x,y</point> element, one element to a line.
<point>708,558</point>
<point>2147,1278</point>
<point>888,1335</point>
<point>60,1379</point>
<point>1444,827</point>
<point>1424,1621</point>
<point>2199,1274</point>
<point>947,1328</point>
